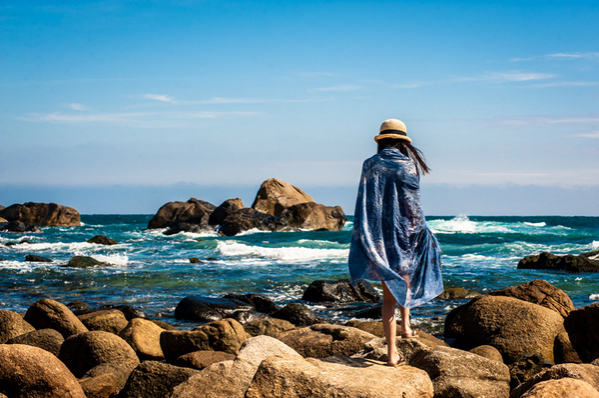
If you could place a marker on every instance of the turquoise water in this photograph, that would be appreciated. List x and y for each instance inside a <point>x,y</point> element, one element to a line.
<point>152,272</point>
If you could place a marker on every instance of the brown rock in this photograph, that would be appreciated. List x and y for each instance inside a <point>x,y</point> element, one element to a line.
<point>324,340</point>
<point>526,367</point>
<point>314,216</point>
<point>582,326</point>
<point>290,376</point>
<point>566,387</point>
<point>12,325</point>
<point>46,339</point>
<point>563,350</point>
<point>46,313</point>
<point>542,293</point>
<point>569,262</point>
<point>193,212</point>
<point>155,379</point>
<point>227,208</point>
<point>112,321</point>
<point>87,350</point>
<point>103,240</point>
<point>27,371</point>
<point>163,325</point>
<point>118,372</point>
<point>340,291</point>
<point>247,219</point>
<point>42,214</point>
<point>274,196</point>
<point>585,372</point>
<point>376,349</point>
<point>489,352</point>
<point>298,314</point>
<point>144,337</point>
<point>376,328</point>
<point>513,326</point>
<point>272,327</point>
<point>101,386</point>
<point>202,359</point>
<point>457,373</point>
<point>457,293</point>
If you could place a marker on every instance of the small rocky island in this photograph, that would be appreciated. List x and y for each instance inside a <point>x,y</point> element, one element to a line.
<point>28,217</point>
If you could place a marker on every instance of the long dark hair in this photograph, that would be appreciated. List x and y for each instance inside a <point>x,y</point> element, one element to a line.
<point>408,150</point>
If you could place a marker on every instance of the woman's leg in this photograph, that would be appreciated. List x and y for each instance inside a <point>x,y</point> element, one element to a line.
<point>389,325</point>
<point>406,330</point>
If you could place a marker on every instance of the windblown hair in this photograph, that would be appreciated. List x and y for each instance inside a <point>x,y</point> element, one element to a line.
<point>407,149</point>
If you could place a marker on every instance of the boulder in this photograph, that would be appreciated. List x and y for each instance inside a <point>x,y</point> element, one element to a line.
<point>525,367</point>
<point>542,293</point>
<point>457,373</point>
<point>585,372</point>
<point>42,214</point>
<point>103,240</point>
<point>127,310</point>
<point>85,262</point>
<point>340,291</point>
<point>376,349</point>
<point>144,337</point>
<point>12,325</point>
<point>227,208</point>
<point>112,321</point>
<point>47,313</point>
<point>563,350</point>
<point>291,376</point>
<point>314,216</point>
<point>203,309</point>
<point>27,371</point>
<point>582,326</point>
<point>247,218</point>
<point>225,335</point>
<point>298,314</point>
<point>118,373</point>
<point>566,387</point>
<point>244,317</point>
<point>87,350</point>
<point>457,293</point>
<point>231,379</point>
<point>101,386</point>
<point>258,302</point>
<point>46,339</point>
<point>513,326</point>
<point>78,305</point>
<point>324,340</point>
<point>488,352</point>
<point>376,328</point>
<point>36,258</point>
<point>272,327</point>
<point>19,227</point>
<point>568,263</point>
<point>274,196</point>
<point>202,359</point>
<point>191,216</point>
<point>155,379</point>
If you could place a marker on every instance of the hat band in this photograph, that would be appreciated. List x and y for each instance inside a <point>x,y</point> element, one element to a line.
<point>391,131</point>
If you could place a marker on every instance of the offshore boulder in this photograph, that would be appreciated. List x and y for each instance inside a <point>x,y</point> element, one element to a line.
<point>584,262</point>
<point>274,196</point>
<point>42,215</point>
<point>190,216</point>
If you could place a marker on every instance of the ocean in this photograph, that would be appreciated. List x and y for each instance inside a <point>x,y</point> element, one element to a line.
<point>152,272</point>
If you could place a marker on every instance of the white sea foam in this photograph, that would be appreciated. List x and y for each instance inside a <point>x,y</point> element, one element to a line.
<point>233,248</point>
<point>54,247</point>
<point>594,297</point>
<point>535,224</point>
<point>595,244</point>
<point>462,224</point>
<point>476,257</point>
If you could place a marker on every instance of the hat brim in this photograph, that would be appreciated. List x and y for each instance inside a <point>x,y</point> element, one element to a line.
<point>394,136</point>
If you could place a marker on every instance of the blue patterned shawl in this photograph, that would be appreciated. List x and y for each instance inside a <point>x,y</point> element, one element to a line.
<point>391,241</point>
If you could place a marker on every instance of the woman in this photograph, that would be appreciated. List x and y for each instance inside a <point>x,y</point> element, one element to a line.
<point>391,241</point>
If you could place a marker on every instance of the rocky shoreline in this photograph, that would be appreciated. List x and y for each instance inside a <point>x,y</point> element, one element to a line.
<point>524,341</point>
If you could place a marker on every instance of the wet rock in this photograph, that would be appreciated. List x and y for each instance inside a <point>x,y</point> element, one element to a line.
<point>340,291</point>
<point>247,218</point>
<point>112,321</point>
<point>12,325</point>
<point>36,258</point>
<point>258,302</point>
<point>585,372</point>
<point>202,359</point>
<point>46,339</point>
<point>274,196</point>
<point>191,216</point>
<point>103,240</point>
<point>569,263</point>
<point>272,327</point>
<point>85,262</point>
<point>371,312</point>
<point>227,208</point>
<point>202,309</point>
<point>314,216</point>
<point>129,311</point>
<point>155,379</point>
<point>144,337</point>
<point>20,227</point>
<point>78,305</point>
<point>566,387</point>
<point>244,317</point>
<point>324,340</point>
<point>298,314</point>
<point>27,371</point>
<point>488,352</point>
<point>42,214</point>
<point>457,293</point>
<point>47,313</point>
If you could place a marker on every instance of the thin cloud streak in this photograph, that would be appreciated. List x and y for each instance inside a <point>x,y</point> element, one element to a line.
<point>507,77</point>
<point>560,56</point>
<point>160,97</point>
<point>77,107</point>
<point>591,134</point>
<point>545,121</point>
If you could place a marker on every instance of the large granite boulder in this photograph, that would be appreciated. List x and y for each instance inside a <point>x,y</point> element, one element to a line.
<point>19,227</point>
<point>566,387</point>
<point>296,313</point>
<point>112,320</point>
<point>582,326</point>
<point>564,350</point>
<point>272,327</point>
<point>105,385</point>
<point>340,376</point>
<point>325,340</point>
<point>47,313</point>
<point>527,366</point>
<point>340,291</point>
<point>513,326</point>
<point>571,263</point>
<point>202,359</point>
<point>155,379</point>
<point>488,352</point>
<point>46,339</point>
<point>584,372</point>
<point>27,371</point>
<point>12,325</point>
<point>42,214</point>
<point>227,208</point>
<point>457,373</point>
<point>259,303</point>
<point>247,218</point>
<point>190,216</point>
<point>203,308</point>
<point>542,293</point>
<point>144,337</point>
<point>314,216</point>
<point>274,196</point>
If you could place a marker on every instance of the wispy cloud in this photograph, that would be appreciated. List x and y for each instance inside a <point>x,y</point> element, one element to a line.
<point>160,97</point>
<point>545,121</point>
<point>560,56</point>
<point>568,84</point>
<point>590,134</point>
<point>507,77</point>
<point>77,107</point>
<point>346,87</point>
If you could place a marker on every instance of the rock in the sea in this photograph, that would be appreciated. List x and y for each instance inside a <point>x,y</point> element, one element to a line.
<point>457,373</point>
<point>248,218</point>
<point>525,367</point>
<point>325,340</point>
<point>27,371</point>
<point>36,258</point>
<point>85,262</point>
<point>155,379</point>
<point>542,293</point>
<point>258,302</point>
<point>202,308</point>
<point>569,263</point>
<point>190,216</point>
<point>340,376</point>
<point>244,317</point>
<point>144,337</point>
<point>566,387</point>
<point>46,339</point>
<point>202,359</point>
<point>272,327</point>
<point>274,196</point>
<point>42,214</point>
<point>584,372</point>
<point>582,326</point>
<point>314,216</point>
<point>225,335</point>
<point>340,291</point>
<point>457,293</point>
<point>103,240</point>
<point>19,227</point>
<point>227,208</point>
<point>12,325</point>
<point>47,313</point>
<point>87,350</point>
<point>298,314</point>
<point>112,321</point>
<point>513,326</point>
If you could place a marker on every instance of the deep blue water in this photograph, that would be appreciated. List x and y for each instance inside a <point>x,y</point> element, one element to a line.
<point>152,272</point>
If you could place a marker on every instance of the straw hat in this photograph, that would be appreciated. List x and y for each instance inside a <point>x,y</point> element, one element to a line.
<point>393,128</point>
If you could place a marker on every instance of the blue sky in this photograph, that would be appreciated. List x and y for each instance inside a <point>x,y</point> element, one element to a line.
<point>120,106</point>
